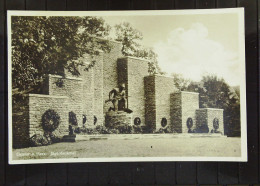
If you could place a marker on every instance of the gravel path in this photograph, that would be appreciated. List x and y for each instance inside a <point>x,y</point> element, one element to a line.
<point>211,147</point>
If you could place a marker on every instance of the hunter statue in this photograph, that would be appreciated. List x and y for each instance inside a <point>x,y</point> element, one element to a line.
<point>119,99</point>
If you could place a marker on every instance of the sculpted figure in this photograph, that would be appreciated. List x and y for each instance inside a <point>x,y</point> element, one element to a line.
<point>118,97</point>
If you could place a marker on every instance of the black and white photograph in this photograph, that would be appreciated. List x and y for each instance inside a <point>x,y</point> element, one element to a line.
<point>119,86</point>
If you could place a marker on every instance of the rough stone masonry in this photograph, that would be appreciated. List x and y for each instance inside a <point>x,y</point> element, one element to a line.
<point>155,101</point>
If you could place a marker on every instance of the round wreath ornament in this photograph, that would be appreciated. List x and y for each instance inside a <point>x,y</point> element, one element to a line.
<point>84,118</point>
<point>50,120</point>
<point>216,123</point>
<point>137,121</point>
<point>164,122</point>
<point>189,123</point>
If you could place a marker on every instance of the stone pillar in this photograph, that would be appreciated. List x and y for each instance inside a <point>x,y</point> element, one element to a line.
<point>183,108</point>
<point>98,91</point>
<point>110,71</point>
<point>157,93</point>
<point>71,87</point>
<point>150,107</point>
<point>132,71</point>
<point>39,104</point>
<point>205,117</point>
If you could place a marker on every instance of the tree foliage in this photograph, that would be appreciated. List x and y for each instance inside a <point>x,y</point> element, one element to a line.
<point>130,38</point>
<point>180,82</point>
<point>48,44</point>
<point>149,54</point>
<point>216,93</point>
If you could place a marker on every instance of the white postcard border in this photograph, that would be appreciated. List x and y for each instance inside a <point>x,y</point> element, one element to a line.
<point>239,11</point>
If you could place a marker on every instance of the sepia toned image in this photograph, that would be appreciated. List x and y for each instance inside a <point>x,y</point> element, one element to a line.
<point>126,86</point>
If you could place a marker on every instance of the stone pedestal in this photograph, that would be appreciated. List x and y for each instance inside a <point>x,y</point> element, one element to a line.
<point>118,118</point>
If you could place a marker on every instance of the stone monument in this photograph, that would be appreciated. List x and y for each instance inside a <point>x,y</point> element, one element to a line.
<point>119,114</point>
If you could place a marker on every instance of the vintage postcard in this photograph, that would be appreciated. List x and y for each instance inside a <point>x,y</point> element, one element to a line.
<point>110,86</point>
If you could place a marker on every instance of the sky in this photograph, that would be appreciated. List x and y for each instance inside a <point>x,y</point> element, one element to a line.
<point>191,45</point>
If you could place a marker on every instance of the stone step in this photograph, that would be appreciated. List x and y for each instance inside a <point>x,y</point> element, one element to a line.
<point>144,136</point>
<point>69,138</point>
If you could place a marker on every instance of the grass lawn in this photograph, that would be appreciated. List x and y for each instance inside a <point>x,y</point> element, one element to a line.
<point>172,147</point>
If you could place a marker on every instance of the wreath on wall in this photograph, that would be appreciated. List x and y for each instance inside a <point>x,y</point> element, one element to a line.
<point>84,118</point>
<point>95,120</point>
<point>137,121</point>
<point>189,123</point>
<point>50,120</point>
<point>164,122</point>
<point>215,123</point>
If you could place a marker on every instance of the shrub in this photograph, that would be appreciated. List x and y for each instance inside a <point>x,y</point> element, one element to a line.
<point>167,129</point>
<point>147,130</point>
<point>39,140</point>
<point>77,130</point>
<point>124,129</point>
<point>137,129</point>
<point>46,139</point>
<point>89,131</point>
<point>73,118</point>
<point>114,131</point>
<point>102,129</point>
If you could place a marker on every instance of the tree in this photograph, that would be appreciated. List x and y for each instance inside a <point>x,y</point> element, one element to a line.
<point>151,56</point>
<point>130,38</point>
<point>46,45</point>
<point>180,82</point>
<point>216,93</point>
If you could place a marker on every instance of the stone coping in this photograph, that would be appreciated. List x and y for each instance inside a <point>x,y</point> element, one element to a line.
<point>159,75</point>
<point>209,109</point>
<point>69,77</point>
<point>137,58</point>
<point>87,137</point>
<point>185,92</point>
<point>189,92</point>
<point>47,96</point>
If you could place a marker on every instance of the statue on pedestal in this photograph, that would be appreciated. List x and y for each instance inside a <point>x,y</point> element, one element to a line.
<point>118,97</point>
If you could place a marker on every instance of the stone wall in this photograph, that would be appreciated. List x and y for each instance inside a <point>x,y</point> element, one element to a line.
<point>72,88</point>
<point>157,92</point>
<point>87,77</point>
<point>190,102</point>
<point>136,70</point>
<point>215,113</point>
<point>201,118</point>
<point>205,116</point>
<point>93,90</point>
<point>110,71</point>
<point>122,72</point>
<point>176,111</point>
<point>27,121</point>
<point>183,106</point>
<point>164,86</point>
<point>98,90</point>
<point>39,104</point>
<point>150,109</point>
